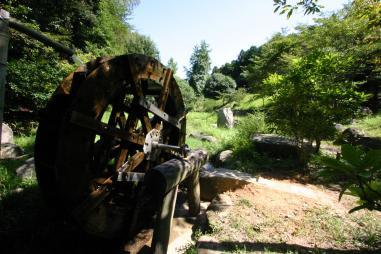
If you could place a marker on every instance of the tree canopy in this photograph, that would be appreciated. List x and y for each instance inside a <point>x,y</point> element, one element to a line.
<point>93,27</point>
<point>199,70</point>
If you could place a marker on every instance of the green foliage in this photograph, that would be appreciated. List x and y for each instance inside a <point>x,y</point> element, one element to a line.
<point>241,143</point>
<point>359,174</point>
<point>312,96</point>
<point>187,92</point>
<point>217,84</point>
<point>236,67</point>
<point>273,57</point>
<point>200,62</point>
<point>137,43</point>
<point>172,64</point>
<point>94,28</point>
<point>30,85</point>
<point>309,6</point>
<point>233,97</point>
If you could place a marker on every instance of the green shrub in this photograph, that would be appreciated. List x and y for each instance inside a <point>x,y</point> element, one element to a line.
<point>188,93</point>
<point>241,142</point>
<point>235,96</point>
<point>218,83</point>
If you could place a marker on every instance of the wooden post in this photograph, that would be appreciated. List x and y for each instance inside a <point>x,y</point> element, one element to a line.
<point>4,39</point>
<point>193,193</point>
<point>163,181</point>
<point>163,225</point>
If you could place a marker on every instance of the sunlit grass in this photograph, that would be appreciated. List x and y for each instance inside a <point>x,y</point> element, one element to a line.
<point>371,125</point>
<point>206,123</point>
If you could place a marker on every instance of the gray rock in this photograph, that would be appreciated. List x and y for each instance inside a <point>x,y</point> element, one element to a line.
<point>225,156</point>
<point>207,167</point>
<point>355,137</point>
<point>225,118</point>
<point>6,134</point>
<point>275,146</point>
<point>203,137</point>
<point>217,181</point>
<point>366,111</point>
<point>27,170</point>
<point>10,151</point>
<point>339,127</point>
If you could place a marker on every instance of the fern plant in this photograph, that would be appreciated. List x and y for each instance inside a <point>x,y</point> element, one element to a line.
<point>359,174</point>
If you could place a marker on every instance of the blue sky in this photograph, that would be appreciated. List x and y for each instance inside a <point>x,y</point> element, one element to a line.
<point>226,25</point>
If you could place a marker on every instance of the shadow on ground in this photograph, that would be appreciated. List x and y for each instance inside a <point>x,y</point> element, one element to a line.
<point>27,225</point>
<point>269,247</point>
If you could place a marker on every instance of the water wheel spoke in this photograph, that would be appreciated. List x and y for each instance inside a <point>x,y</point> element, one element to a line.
<point>105,129</point>
<point>133,162</point>
<point>146,122</point>
<point>165,91</point>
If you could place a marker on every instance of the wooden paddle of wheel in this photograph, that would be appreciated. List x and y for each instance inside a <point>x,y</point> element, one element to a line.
<point>94,126</point>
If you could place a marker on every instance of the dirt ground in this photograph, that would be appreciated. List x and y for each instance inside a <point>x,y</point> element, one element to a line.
<point>272,215</point>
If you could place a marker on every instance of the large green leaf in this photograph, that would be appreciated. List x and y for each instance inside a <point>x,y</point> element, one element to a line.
<point>352,155</point>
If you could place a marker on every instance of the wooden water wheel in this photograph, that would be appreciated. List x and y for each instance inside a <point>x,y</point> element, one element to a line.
<point>95,123</point>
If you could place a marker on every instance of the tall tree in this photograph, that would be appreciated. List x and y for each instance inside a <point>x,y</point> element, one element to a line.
<point>200,65</point>
<point>172,64</point>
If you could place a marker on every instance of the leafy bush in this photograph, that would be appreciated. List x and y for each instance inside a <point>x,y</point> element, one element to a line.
<point>187,92</point>
<point>219,83</point>
<point>241,142</point>
<point>358,173</point>
<point>236,96</point>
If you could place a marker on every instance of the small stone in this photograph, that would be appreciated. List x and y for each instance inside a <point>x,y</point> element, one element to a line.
<point>225,156</point>
<point>10,151</point>
<point>27,170</point>
<point>203,137</point>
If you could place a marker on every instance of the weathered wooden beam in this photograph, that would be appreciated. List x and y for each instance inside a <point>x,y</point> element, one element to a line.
<point>163,225</point>
<point>163,181</point>
<point>4,39</point>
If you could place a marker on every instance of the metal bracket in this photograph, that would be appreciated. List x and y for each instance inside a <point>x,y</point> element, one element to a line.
<point>158,112</point>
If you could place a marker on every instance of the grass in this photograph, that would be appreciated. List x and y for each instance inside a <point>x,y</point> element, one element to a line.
<point>9,181</point>
<point>371,125</point>
<point>204,122</point>
<point>252,101</point>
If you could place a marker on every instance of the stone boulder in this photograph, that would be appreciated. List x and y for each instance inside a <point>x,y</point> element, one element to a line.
<point>6,134</point>
<point>275,146</point>
<point>27,171</point>
<point>216,181</point>
<point>203,137</point>
<point>355,137</point>
<point>225,156</point>
<point>225,118</point>
<point>10,151</point>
